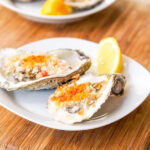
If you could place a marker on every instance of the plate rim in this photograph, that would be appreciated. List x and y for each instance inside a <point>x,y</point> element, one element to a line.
<point>62,17</point>
<point>77,128</point>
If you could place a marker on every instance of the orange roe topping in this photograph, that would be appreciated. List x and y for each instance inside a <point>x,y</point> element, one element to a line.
<point>30,61</point>
<point>73,92</point>
<point>81,112</point>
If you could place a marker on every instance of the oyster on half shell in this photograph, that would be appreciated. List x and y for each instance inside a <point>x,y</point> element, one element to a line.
<point>82,4</point>
<point>40,69</point>
<point>80,100</point>
<point>24,0</point>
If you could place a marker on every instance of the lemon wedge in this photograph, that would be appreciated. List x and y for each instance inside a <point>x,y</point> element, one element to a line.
<point>109,57</point>
<point>55,7</point>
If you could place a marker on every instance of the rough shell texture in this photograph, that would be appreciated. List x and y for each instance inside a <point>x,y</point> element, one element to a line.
<point>79,62</point>
<point>69,112</point>
<point>82,4</point>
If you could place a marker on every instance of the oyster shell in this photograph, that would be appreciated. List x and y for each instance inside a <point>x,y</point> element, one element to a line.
<point>26,0</point>
<point>82,4</point>
<point>12,77</point>
<point>80,100</point>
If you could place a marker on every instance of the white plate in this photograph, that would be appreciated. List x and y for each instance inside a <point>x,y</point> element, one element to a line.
<point>31,105</point>
<point>31,11</point>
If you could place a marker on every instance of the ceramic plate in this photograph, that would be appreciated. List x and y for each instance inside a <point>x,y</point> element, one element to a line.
<point>31,10</point>
<point>32,105</point>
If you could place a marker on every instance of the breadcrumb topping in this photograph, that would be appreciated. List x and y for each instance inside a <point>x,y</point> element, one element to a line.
<point>77,92</point>
<point>25,68</point>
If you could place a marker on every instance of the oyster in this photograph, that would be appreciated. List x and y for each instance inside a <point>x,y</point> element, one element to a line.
<point>24,0</point>
<point>79,100</point>
<point>82,4</point>
<point>40,69</point>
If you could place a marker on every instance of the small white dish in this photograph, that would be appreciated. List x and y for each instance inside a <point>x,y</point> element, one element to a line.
<point>32,105</point>
<point>31,11</point>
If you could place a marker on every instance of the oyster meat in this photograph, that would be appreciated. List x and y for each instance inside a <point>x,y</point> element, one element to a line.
<point>79,100</point>
<point>82,4</point>
<point>40,69</point>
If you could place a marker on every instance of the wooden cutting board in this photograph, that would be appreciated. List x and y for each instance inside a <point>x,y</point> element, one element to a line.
<point>126,20</point>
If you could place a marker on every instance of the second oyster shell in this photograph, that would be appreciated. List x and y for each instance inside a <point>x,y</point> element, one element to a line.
<point>80,100</point>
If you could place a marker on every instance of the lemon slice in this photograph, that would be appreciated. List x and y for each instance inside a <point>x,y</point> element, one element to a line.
<point>109,58</point>
<point>55,7</point>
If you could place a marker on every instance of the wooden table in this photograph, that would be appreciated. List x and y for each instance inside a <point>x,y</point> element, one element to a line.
<point>129,23</point>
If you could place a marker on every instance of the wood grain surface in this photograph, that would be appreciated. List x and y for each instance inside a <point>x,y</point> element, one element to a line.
<point>127,21</point>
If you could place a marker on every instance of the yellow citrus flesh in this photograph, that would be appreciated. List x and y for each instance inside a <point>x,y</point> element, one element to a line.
<point>109,58</point>
<point>55,7</point>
